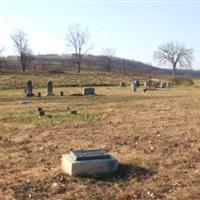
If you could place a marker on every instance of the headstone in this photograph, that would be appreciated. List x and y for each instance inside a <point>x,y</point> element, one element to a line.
<point>49,88</point>
<point>122,84</point>
<point>162,84</point>
<point>24,101</point>
<point>134,86</point>
<point>61,93</point>
<point>89,162</point>
<point>145,84</point>
<point>137,82</point>
<point>168,85</point>
<point>29,89</point>
<point>88,91</point>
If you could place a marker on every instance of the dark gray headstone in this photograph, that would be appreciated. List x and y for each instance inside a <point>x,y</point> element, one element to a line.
<point>89,154</point>
<point>49,88</point>
<point>122,84</point>
<point>29,89</point>
<point>89,91</point>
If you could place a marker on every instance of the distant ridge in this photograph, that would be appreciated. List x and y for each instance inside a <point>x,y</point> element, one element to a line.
<point>64,62</point>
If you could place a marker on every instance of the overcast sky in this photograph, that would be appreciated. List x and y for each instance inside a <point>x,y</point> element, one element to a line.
<point>134,29</point>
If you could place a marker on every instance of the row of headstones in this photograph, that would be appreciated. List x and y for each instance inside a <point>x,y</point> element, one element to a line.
<point>159,85</point>
<point>29,90</point>
<point>136,84</point>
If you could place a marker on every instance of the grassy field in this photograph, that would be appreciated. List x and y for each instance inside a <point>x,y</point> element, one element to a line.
<point>155,135</point>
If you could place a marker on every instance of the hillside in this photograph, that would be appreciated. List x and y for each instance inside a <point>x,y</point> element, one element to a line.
<point>65,63</point>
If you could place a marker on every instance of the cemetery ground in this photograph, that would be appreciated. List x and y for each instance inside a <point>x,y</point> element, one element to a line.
<point>155,135</point>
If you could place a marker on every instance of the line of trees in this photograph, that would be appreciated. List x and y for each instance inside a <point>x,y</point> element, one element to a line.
<point>77,40</point>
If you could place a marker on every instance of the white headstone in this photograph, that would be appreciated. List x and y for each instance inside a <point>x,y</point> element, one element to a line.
<point>89,162</point>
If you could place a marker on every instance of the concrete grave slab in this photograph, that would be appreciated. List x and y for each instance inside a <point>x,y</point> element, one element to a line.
<point>24,101</point>
<point>89,162</point>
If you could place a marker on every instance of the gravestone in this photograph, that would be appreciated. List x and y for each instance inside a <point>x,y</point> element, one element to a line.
<point>89,162</point>
<point>122,84</point>
<point>168,85</point>
<point>162,84</point>
<point>24,101</point>
<point>29,89</point>
<point>134,86</point>
<point>88,91</point>
<point>49,89</point>
<point>145,84</point>
<point>137,82</point>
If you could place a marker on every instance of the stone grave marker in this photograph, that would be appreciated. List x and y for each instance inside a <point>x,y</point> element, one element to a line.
<point>122,84</point>
<point>162,84</point>
<point>24,101</point>
<point>89,162</point>
<point>29,89</point>
<point>88,91</point>
<point>168,85</point>
<point>49,89</point>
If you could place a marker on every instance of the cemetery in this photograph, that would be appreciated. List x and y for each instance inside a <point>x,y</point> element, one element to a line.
<point>56,144</point>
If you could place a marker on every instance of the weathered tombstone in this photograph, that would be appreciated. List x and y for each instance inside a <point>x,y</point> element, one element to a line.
<point>89,162</point>
<point>162,84</point>
<point>134,86</point>
<point>39,94</point>
<point>24,101</point>
<point>88,91</point>
<point>122,84</point>
<point>145,84</point>
<point>29,89</point>
<point>49,89</point>
<point>137,82</point>
<point>61,93</point>
<point>168,85</point>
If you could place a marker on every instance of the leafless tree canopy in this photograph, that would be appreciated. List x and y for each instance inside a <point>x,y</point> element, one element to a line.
<point>175,54</point>
<point>77,40</point>
<point>109,54</point>
<point>21,45</point>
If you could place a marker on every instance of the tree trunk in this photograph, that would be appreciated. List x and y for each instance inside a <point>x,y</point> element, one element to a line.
<point>174,70</point>
<point>79,67</point>
<point>23,63</point>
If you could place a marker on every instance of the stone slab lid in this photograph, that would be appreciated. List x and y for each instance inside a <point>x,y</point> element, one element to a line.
<point>92,154</point>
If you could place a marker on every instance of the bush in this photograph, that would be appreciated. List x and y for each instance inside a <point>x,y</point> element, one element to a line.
<point>182,81</point>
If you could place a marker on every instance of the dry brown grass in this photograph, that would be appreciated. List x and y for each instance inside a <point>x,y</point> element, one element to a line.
<point>155,136</point>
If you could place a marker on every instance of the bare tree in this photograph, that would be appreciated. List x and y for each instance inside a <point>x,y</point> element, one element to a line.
<point>109,54</point>
<point>77,39</point>
<point>175,54</point>
<point>20,40</point>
